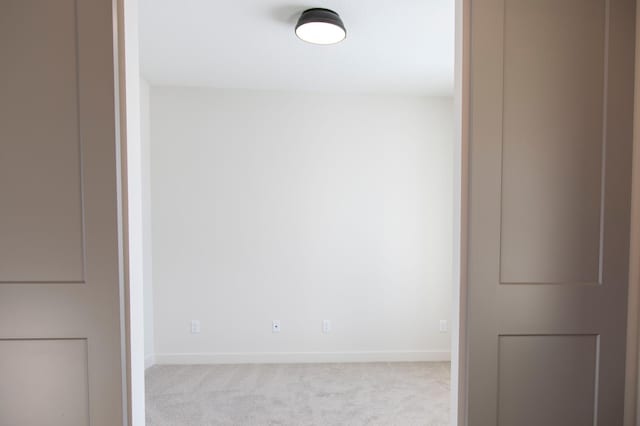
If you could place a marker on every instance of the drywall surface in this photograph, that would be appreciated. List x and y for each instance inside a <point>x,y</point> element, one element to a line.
<point>301,207</point>
<point>145,129</point>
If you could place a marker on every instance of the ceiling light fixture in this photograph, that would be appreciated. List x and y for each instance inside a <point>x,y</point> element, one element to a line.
<point>320,26</point>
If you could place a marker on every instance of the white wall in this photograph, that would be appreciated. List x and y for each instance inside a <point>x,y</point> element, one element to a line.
<point>301,207</point>
<point>145,129</point>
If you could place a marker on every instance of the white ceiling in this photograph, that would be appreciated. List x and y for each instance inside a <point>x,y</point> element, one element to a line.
<point>394,46</point>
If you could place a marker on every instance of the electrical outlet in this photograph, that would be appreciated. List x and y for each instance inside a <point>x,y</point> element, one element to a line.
<point>326,326</point>
<point>275,326</point>
<point>195,326</point>
<point>443,326</point>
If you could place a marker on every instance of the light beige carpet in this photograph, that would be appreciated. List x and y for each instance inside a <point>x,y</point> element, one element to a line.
<point>299,394</point>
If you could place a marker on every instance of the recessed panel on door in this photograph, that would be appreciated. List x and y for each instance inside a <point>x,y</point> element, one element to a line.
<point>41,219</point>
<point>44,382</point>
<point>552,142</point>
<point>547,380</point>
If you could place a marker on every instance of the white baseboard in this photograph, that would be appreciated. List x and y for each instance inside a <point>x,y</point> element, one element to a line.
<point>149,360</point>
<point>300,357</point>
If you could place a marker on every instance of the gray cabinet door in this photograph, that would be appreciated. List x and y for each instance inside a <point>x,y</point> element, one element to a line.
<point>60,340</point>
<point>551,117</point>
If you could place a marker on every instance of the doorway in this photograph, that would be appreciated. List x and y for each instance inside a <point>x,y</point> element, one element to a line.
<point>344,161</point>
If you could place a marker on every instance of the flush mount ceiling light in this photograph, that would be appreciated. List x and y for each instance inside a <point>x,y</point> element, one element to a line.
<point>320,26</point>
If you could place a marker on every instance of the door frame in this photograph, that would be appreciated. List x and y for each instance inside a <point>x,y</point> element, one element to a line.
<point>128,101</point>
<point>126,31</point>
<point>127,94</point>
<point>462,70</point>
<point>632,394</point>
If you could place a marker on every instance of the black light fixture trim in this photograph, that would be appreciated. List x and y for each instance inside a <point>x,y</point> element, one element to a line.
<point>318,14</point>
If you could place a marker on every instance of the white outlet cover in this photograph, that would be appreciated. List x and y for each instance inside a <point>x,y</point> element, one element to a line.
<point>275,326</point>
<point>443,326</point>
<point>195,326</point>
<point>326,326</point>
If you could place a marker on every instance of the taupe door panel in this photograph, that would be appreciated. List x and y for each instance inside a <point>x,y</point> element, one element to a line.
<point>40,166</point>
<point>549,195</point>
<point>60,341</point>
<point>44,382</point>
<point>552,172</point>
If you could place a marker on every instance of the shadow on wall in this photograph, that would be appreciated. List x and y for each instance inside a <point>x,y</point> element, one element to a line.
<point>288,15</point>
